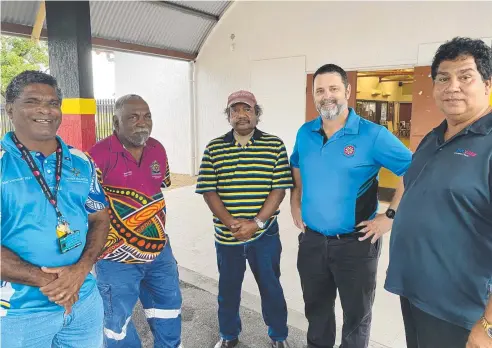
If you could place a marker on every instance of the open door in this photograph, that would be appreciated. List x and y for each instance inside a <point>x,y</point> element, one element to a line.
<point>311,112</point>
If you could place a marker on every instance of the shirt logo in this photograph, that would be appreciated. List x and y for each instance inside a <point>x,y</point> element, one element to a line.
<point>155,167</point>
<point>25,178</point>
<point>349,150</point>
<point>77,176</point>
<point>466,153</point>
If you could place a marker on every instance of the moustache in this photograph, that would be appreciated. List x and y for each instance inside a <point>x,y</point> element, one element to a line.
<point>325,102</point>
<point>244,120</point>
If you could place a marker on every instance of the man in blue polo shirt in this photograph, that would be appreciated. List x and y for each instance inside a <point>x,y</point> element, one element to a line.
<point>441,243</point>
<point>335,165</point>
<point>54,225</point>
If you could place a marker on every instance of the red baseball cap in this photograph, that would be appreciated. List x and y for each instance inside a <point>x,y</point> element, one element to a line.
<point>242,97</point>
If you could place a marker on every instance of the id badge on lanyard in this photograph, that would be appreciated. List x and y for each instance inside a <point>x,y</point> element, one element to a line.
<point>67,239</point>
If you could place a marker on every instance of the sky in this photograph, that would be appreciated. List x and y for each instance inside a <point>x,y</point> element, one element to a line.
<point>103,72</point>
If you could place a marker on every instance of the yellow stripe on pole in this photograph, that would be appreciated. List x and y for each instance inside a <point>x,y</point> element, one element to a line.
<point>79,106</point>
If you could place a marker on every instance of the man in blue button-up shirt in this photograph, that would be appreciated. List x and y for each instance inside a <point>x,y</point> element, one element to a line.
<point>335,164</point>
<point>48,297</point>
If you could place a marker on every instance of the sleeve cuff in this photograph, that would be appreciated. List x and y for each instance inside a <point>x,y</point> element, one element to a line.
<point>201,191</point>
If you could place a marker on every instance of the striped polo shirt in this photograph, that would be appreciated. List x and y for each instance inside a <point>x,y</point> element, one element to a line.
<point>243,177</point>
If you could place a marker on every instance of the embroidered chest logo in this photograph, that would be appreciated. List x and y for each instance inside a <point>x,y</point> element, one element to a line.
<point>466,153</point>
<point>77,176</point>
<point>76,172</point>
<point>156,168</point>
<point>349,150</point>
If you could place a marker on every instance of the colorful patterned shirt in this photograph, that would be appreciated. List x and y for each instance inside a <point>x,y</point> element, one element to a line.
<point>243,177</point>
<point>137,205</point>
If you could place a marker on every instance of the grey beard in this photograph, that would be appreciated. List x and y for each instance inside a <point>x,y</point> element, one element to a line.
<point>139,139</point>
<point>332,113</point>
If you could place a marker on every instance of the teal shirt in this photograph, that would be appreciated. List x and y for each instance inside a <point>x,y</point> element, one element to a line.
<point>28,220</point>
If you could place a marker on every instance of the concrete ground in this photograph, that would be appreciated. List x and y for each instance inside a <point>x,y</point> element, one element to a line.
<point>200,326</point>
<point>189,225</point>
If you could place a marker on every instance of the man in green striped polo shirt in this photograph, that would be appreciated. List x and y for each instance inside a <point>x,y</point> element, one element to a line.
<point>243,178</point>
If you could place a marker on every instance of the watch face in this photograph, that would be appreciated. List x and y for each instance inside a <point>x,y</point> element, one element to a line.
<point>260,223</point>
<point>390,213</point>
<point>489,332</point>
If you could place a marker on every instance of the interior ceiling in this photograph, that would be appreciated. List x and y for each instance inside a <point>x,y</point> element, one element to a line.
<point>389,75</point>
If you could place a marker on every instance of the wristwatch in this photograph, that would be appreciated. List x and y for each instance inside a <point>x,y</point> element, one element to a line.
<point>390,213</point>
<point>261,224</point>
<point>487,326</point>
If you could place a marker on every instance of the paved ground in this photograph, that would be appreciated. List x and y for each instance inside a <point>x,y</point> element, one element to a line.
<point>200,327</point>
<point>191,233</point>
<point>181,180</point>
<point>189,225</point>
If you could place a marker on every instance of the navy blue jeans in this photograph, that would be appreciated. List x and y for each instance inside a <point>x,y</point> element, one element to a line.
<point>263,256</point>
<point>156,284</point>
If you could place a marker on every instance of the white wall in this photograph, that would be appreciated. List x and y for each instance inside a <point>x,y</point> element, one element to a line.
<point>103,74</point>
<point>280,87</point>
<point>355,35</point>
<point>165,85</point>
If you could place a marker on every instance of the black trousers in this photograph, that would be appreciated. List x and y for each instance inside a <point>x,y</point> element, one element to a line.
<point>423,330</point>
<point>326,265</point>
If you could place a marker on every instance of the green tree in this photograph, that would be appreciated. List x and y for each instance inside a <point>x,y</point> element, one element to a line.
<point>21,54</point>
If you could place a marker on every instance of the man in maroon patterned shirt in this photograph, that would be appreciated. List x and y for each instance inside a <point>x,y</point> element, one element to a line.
<point>137,261</point>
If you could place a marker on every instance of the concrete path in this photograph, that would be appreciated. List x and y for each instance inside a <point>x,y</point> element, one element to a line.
<point>189,225</point>
<point>200,326</point>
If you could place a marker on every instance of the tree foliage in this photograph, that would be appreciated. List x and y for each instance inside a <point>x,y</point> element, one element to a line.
<point>21,54</point>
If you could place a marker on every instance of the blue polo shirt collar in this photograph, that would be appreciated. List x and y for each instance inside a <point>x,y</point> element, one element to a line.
<point>351,125</point>
<point>9,146</point>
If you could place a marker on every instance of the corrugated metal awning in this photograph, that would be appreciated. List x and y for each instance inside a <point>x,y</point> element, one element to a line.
<point>171,28</point>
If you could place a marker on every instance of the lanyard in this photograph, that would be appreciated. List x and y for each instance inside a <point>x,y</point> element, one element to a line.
<point>26,155</point>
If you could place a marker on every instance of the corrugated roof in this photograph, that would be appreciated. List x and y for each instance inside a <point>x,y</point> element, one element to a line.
<point>148,24</point>
<point>19,12</point>
<point>216,8</point>
<point>173,25</point>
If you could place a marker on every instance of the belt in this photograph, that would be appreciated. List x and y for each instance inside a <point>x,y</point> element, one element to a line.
<point>350,235</point>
